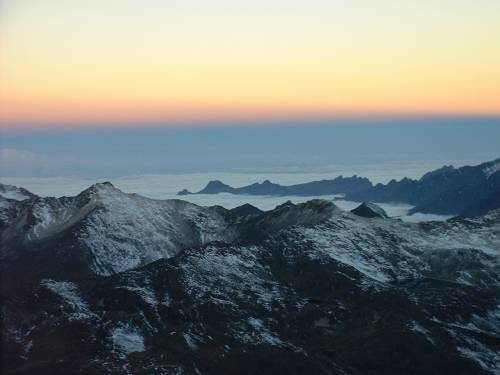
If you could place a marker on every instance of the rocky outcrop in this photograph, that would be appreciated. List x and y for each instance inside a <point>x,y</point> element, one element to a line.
<point>246,210</point>
<point>370,210</point>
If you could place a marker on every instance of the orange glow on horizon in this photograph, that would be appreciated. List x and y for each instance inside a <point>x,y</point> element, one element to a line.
<point>77,61</point>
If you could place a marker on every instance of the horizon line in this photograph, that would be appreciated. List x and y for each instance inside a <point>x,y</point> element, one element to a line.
<point>237,121</point>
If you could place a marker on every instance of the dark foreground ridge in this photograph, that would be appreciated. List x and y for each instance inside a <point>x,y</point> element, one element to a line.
<point>370,210</point>
<point>113,283</point>
<point>465,191</point>
<point>245,210</point>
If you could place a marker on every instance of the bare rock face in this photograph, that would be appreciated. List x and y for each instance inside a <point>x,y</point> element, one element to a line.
<point>114,283</point>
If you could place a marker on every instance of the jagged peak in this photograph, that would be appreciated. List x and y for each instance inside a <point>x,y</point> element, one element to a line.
<point>488,168</point>
<point>100,186</point>
<point>99,190</point>
<point>443,170</point>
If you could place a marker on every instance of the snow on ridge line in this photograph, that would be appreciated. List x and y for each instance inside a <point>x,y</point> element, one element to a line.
<point>54,216</point>
<point>386,251</point>
<point>14,193</point>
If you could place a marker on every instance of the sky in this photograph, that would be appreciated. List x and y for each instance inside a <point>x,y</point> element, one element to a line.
<point>92,63</point>
<point>129,87</point>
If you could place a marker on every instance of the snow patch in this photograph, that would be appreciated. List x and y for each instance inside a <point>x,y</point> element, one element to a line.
<point>259,334</point>
<point>128,339</point>
<point>70,294</point>
<point>488,359</point>
<point>190,341</point>
<point>422,330</point>
<point>14,195</point>
<point>13,192</point>
<point>217,274</point>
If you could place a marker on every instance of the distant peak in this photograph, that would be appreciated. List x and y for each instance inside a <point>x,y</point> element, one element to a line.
<point>215,182</point>
<point>184,192</point>
<point>214,187</point>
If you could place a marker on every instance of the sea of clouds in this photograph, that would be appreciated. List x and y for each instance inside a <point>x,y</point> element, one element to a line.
<point>166,186</point>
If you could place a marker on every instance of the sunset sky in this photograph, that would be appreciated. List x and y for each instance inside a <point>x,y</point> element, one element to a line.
<point>89,62</point>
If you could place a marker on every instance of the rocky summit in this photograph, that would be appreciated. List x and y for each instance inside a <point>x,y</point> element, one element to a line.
<point>370,210</point>
<point>113,283</point>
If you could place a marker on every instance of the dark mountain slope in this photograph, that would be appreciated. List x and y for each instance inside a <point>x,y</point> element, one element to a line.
<point>483,206</point>
<point>245,210</point>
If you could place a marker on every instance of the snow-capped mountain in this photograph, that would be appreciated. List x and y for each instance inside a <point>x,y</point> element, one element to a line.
<point>110,230</point>
<point>174,288</point>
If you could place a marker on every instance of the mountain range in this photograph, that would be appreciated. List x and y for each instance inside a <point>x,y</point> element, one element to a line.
<point>469,190</point>
<point>112,283</point>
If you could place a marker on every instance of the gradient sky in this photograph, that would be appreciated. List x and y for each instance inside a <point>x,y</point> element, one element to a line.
<point>91,62</point>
